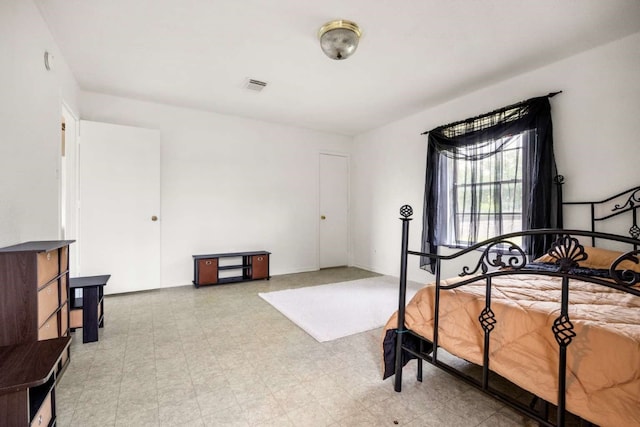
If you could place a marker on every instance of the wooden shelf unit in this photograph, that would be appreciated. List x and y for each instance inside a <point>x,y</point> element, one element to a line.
<point>28,381</point>
<point>232,267</point>
<point>34,293</point>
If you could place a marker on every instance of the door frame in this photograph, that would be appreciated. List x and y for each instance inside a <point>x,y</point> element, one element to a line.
<point>347,156</point>
<point>68,184</point>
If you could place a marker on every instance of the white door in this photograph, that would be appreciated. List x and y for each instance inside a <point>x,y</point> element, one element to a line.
<point>334,207</point>
<point>119,175</point>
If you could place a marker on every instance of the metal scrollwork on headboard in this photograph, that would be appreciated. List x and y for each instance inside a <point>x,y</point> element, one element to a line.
<point>514,259</point>
<point>567,252</point>
<point>623,276</point>
<point>633,202</point>
<point>630,203</point>
<point>621,203</point>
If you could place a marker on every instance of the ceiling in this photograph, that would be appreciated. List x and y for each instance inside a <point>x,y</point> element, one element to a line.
<point>413,53</point>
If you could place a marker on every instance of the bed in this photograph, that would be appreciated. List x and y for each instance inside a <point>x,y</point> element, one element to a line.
<point>564,327</point>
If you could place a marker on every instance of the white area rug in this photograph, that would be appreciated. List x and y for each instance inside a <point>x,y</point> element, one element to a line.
<point>328,312</point>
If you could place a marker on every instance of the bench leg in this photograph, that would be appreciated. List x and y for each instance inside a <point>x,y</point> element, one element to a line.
<point>101,299</point>
<point>90,314</point>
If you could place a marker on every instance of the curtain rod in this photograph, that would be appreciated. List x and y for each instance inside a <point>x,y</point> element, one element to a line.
<point>499,110</point>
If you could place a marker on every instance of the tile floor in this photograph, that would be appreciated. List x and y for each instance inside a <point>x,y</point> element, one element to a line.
<point>223,356</point>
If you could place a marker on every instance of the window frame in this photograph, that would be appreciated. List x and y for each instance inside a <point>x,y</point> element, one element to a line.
<point>453,236</point>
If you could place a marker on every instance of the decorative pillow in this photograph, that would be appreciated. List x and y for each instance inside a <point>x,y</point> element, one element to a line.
<point>599,259</point>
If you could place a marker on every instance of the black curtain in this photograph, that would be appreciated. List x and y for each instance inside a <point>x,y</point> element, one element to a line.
<point>470,140</point>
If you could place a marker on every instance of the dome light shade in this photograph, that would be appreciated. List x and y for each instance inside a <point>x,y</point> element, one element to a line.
<point>339,38</point>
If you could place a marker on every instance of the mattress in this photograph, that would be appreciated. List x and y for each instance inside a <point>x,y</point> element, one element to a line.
<point>603,360</point>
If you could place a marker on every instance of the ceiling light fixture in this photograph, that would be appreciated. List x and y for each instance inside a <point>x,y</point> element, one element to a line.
<point>339,38</point>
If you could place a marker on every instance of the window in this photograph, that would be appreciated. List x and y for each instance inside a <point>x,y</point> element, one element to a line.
<point>486,193</point>
<point>490,175</point>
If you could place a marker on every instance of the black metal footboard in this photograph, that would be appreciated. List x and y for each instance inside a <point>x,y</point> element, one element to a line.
<point>498,257</point>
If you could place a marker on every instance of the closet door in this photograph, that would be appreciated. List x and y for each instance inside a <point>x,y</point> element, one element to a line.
<point>119,180</point>
<point>334,210</point>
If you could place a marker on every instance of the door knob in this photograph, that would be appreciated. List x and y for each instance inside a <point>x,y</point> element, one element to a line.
<point>154,218</point>
<point>323,217</point>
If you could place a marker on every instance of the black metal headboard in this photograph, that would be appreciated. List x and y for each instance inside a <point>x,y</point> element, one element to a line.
<point>621,203</point>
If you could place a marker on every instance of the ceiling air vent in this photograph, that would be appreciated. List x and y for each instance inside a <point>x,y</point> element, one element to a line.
<point>256,85</point>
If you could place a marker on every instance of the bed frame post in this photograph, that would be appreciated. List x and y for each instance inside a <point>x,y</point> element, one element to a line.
<point>593,223</point>
<point>634,226</point>
<point>406,211</point>
<point>564,334</point>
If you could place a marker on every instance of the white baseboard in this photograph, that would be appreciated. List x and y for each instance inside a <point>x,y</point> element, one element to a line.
<point>294,271</point>
<point>364,267</point>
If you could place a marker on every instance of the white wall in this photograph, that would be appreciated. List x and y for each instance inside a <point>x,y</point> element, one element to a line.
<point>30,117</point>
<point>597,145</point>
<point>275,167</point>
<point>229,184</point>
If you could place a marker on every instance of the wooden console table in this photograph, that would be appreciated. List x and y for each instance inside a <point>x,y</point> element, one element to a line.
<point>27,382</point>
<point>88,312</point>
<point>230,267</point>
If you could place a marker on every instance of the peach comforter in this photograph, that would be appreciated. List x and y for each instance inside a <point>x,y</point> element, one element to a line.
<point>603,360</point>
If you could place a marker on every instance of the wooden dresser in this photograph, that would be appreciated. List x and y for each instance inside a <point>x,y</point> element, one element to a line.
<point>34,293</point>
